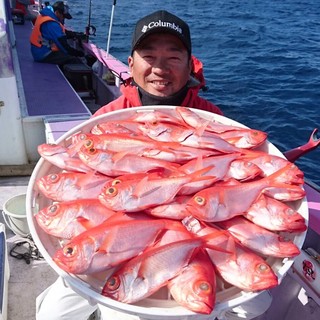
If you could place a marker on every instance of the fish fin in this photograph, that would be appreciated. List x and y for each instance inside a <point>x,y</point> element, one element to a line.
<point>119,155</point>
<point>87,181</point>
<point>74,148</point>
<point>137,193</point>
<point>109,239</point>
<point>233,140</point>
<point>231,247</point>
<point>77,164</point>
<point>200,174</point>
<point>200,130</point>
<point>87,224</point>
<point>199,163</point>
<point>208,237</point>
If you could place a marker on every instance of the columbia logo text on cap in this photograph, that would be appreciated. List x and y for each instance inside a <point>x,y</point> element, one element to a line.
<point>161,21</point>
<point>163,24</point>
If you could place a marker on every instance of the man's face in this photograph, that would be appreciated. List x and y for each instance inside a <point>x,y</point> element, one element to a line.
<point>60,16</point>
<point>160,65</point>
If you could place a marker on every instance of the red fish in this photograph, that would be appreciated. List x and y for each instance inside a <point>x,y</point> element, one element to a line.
<point>70,218</point>
<point>195,286</point>
<point>187,137</point>
<point>146,273</point>
<point>60,157</point>
<point>259,239</point>
<point>243,269</point>
<point>66,186</point>
<point>114,164</point>
<point>123,127</point>
<point>224,167</point>
<point>143,146</point>
<point>133,196</point>
<point>173,210</point>
<point>244,138</point>
<point>192,119</point>
<point>224,202</point>
<point>109,244</point>
<point>275,215</point>
<point>270,164</point>
<point>237,136</point>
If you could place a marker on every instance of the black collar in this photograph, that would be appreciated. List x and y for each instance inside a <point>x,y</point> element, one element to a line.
<point>148,99</point>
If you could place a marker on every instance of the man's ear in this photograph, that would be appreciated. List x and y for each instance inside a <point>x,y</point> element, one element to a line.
<point>130,62</point>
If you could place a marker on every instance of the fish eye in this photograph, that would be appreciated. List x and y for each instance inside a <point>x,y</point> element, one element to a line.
<point>112,191</point>
<point>249,164</point>
<point>52,209</point>
<point>115,182</point>
<point>290,212</point>
<point>82,136</point>
<point>262,267</point>
<point>53,177</point>
<point>88,144</point>
<point>68,251</point>
<point>199,200</point>
<point>202,287</point>
<point>113,283</point>
<point>91,150</point>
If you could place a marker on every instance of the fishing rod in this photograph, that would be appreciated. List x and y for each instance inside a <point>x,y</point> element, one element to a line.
<point>90,30</point>
<point>110,26</point>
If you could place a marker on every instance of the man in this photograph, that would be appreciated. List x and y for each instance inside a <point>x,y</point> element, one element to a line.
<point>48,39</point>
<point>161,65</point>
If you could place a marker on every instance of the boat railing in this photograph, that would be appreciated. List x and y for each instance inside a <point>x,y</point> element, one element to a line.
<point>115,66</point>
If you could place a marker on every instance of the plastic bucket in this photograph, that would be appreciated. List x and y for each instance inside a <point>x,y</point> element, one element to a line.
<point>14,214</point>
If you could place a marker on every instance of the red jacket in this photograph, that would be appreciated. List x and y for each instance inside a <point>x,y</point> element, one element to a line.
<point>130,98</point>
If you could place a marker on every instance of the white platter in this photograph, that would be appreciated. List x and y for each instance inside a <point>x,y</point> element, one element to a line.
<point>158,306</point>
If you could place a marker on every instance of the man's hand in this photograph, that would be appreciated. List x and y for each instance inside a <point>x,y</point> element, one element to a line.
<point>75,35</point>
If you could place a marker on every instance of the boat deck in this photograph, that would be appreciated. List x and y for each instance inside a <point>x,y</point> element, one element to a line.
<point>26,280</point>
<point>46,91</point>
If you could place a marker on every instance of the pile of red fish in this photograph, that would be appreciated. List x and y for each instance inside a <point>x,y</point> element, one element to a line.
<point>171,199</point>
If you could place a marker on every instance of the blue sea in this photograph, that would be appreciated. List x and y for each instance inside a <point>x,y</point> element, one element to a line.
<point>261,59</point>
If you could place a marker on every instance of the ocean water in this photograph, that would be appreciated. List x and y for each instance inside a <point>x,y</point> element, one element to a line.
<point>261,59</point>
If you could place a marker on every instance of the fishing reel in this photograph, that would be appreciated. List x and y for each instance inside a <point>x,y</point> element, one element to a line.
<point>91,30</point>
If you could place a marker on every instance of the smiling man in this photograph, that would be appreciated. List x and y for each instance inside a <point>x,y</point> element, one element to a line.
<point>161,64</point>
<point>162,69</point>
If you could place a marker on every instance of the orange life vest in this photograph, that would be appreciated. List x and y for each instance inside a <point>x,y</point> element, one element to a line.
<point>36,36</point>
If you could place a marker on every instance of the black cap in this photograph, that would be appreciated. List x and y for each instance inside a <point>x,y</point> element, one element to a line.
<point>63,8</point>
<point>158,22</point>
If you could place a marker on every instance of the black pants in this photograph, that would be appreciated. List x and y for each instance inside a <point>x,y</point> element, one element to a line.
<point>60,58</point>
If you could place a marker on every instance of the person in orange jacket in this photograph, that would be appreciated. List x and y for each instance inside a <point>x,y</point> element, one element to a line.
<point>49,36</point>
<point>162,67</point>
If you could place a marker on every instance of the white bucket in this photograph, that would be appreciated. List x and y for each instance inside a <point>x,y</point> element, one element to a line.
<point>15,216</point>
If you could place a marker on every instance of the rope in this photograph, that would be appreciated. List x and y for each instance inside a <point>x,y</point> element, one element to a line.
<point>26,250</point>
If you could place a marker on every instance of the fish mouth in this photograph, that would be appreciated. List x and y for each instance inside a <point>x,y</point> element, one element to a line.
<point>202,307</point>
<point>266,284</point>
<point>42,220</point>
